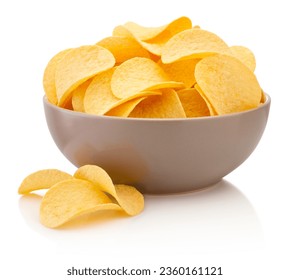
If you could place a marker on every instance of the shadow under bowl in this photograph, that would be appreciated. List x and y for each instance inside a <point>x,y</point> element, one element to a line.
<point>159,155</point>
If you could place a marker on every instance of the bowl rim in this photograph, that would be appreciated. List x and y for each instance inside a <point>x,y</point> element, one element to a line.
<point>98,117</point>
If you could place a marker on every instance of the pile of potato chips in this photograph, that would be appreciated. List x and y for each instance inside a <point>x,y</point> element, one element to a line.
<point>89,190</point>
<point>173,71</point>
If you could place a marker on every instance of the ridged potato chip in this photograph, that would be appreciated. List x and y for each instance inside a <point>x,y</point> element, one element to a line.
<point>139,74</point>
<point>166,105</point>
<point>79,65</point>
<point>100,178</point>
<point>245,55</point>
<point>42,179</point>
<point>193,43</point>
<point>123,48</point>
<point>193,103</point>
<point>49,77</point>
<point>70,199</point>
<point>228,84</point>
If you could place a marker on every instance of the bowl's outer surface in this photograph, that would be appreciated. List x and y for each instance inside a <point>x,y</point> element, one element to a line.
<point>159,156</point>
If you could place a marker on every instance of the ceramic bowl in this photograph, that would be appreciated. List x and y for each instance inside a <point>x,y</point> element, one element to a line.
<point>159,156</point>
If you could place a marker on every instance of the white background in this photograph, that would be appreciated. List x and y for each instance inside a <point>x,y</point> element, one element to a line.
<point>241,225</point>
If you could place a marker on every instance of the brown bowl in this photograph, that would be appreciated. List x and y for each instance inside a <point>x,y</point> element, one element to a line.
<point>159,155</point>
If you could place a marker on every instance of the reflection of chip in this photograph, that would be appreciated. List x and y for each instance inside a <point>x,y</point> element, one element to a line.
<point>79,65</point>
<point>228,84</point>
<point>166,105</point>
<point>193,104</point>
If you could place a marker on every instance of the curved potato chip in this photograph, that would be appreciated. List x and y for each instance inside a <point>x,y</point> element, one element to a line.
<point>211,109</point>
<point>123,48</point>
<point>72,198</point>
<point>124,109</point>
<point>156,38</point>
<point>245,55</point>
<point>100,178</point>
<point>78,96</point>
<point>79,65</point>
<point>49,77</point>
<point>228,84</point>
<point>192,103</point>
<point>99,97</point>
<point>147,33</point>
<point>166,105</point>
<point>181,71</point>
<point>139,74</point>
<point>42,179</point>
<point>193,43</point>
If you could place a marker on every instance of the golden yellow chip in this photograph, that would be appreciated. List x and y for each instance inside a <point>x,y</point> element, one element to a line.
<point>139,74</point>
<point>193,43</point>
<point>79,65</point>
<point>100,178</point>
<point>181,71</point>
<point>99,97</point>
<point>228,84</point>
<point>245,55</point>
<point>43,179</point>
<point>124,109</point>
<point>78,96</point>
<point>192,103</point>
<point>148,33</point>
<point>70,199</point>
<point>263,97</point>
<point>211,109</point>
<point>49,77</point>
<point>123,48</point>
<point>166,105</point>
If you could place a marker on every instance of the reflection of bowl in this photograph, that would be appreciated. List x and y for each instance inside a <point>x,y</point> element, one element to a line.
<point>159,155</point>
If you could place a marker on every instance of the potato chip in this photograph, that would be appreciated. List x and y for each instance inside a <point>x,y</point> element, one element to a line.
<point>139,74</point>
<point>123,48</point>
<point>245,55</point>
<point>99,97</point>
<point>49,77</point>
<point>153,39</point>
<point>70,199</point>
<point>193,43</point>
<point>181,71</point>
<point>100,178</point>
<point>192,103</point>
<point>43,179</point>
<point>79,65</point>
<point>211,109</point>
<point>124,109</point>
<point>148,33</point>
<point>78,96</point>
<point>166,105</point>
<point>228,84</point>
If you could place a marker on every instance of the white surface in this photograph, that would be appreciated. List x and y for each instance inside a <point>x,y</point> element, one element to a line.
<point>241,225</point>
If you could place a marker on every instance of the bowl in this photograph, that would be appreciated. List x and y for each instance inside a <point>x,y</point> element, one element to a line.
<point>159,156</point>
